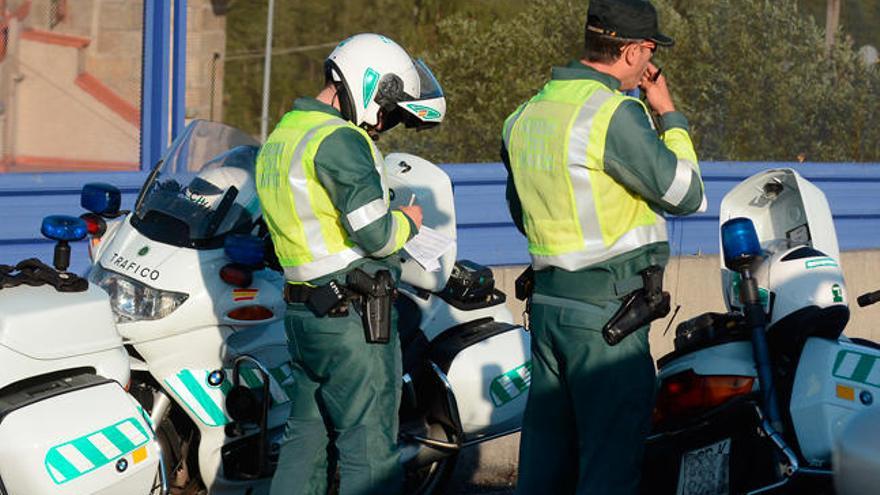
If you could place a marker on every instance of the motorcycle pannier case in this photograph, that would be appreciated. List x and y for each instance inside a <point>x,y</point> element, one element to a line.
<point>800,278</point>
<point>75,435</point>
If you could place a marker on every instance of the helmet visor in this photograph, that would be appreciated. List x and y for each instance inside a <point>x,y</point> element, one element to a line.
<point>422,112</point>
<point>428,85</point>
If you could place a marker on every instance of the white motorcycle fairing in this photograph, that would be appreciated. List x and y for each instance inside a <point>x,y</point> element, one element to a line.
<point>835,380</point>
<point>66,424</point>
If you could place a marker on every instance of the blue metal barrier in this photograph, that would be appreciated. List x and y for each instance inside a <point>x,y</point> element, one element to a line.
<point>485,232</point>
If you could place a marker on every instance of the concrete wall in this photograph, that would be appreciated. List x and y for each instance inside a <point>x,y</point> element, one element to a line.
<point>695,283</point>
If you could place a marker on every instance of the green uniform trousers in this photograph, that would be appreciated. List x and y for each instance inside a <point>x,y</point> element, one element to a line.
<point>589,404</point>
<point>346,395</point>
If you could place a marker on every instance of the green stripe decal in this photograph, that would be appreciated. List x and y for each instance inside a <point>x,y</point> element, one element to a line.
<point>205,400</point>
<point>511,384</point>
<point>119,440</point>
<point>91,452</point>
<point>820,262</point>
<point>226,386</point>
<point>858,367</point>
<point>57,461</point>
<point>70,460</point>
<point>863,369</point>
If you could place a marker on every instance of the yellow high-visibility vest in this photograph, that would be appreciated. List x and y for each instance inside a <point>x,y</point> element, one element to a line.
<point>575,214</point>
<point>306,228</point>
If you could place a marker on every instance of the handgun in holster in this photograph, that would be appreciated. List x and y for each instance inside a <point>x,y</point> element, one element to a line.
<point>376,294</point>
<point>639,307</point>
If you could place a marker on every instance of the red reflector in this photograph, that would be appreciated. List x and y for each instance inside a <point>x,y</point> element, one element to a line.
<point>236,275</point>
<point>94,224</point>
<point>251,313</point>
<point>687,393</point>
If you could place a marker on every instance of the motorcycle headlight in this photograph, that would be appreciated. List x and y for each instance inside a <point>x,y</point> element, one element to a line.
<point>132,300</point>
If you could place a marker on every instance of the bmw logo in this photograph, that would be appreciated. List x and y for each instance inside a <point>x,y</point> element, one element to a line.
<point>121,465</point>
<point>866,397</point>
<point>216,377</point>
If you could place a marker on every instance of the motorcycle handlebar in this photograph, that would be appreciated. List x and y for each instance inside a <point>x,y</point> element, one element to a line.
<point>869,298</point>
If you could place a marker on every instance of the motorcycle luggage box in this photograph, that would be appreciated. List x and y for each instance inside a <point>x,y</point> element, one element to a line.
<point>407,175</point>
<point>787,210</point>
<point>75,435</point>
<point>488,369</point>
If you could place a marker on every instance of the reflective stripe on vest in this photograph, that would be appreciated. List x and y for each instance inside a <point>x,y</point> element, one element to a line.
<point>575,215</point>
<point>306,228</point>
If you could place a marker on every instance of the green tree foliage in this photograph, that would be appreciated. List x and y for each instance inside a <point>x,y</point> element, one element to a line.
<point>859,18</point>
<point>751,75</point>
<point>318,23</point>
<point>753,78</point>
<point>487,69</point>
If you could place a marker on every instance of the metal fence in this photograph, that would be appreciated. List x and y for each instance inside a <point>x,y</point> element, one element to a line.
<point>485,231</point>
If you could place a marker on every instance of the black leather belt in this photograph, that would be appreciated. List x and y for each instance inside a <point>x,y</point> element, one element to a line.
<point>298,293</point>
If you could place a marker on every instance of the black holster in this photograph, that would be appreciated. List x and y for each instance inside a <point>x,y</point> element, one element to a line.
<point>639,308</point>
<point>376,295</point>
<point>525,284</point>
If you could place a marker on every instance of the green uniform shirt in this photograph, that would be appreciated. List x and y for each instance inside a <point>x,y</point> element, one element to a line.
<point>345,167</point>
<point>638,159</point>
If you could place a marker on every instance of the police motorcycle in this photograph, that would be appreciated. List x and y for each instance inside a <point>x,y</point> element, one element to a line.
<point>200,310</point>
<point>67,425</point>
<point>755,399</point>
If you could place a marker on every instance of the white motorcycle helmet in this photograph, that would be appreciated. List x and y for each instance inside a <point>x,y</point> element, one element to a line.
<point>803,293</point>
<point>374,75</point>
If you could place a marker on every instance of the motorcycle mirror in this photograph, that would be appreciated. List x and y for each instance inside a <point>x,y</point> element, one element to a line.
<point>739,240</point>
<point>868,299</point>
<point>100,198</point>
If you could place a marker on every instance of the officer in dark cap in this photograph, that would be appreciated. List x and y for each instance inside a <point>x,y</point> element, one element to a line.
<point>589,178</point>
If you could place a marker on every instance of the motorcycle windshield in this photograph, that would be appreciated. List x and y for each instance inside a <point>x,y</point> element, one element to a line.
<point>202,188</point>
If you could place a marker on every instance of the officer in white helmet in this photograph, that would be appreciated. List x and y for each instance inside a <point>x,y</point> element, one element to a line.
<point>319,180</point>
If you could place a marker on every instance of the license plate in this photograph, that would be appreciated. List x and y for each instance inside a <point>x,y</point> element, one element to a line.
<point>706,471</point>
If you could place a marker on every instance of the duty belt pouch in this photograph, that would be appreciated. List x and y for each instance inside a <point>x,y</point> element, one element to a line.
<point>375,306</point>
<point>639,308</point>
<point>324,299</point>
<point>525,284</point>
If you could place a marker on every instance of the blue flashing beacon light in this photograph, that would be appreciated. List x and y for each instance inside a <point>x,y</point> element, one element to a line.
<point>100,198</point>
<point>740,243</point>
<point>247,250</point>
<point>63,228</point>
